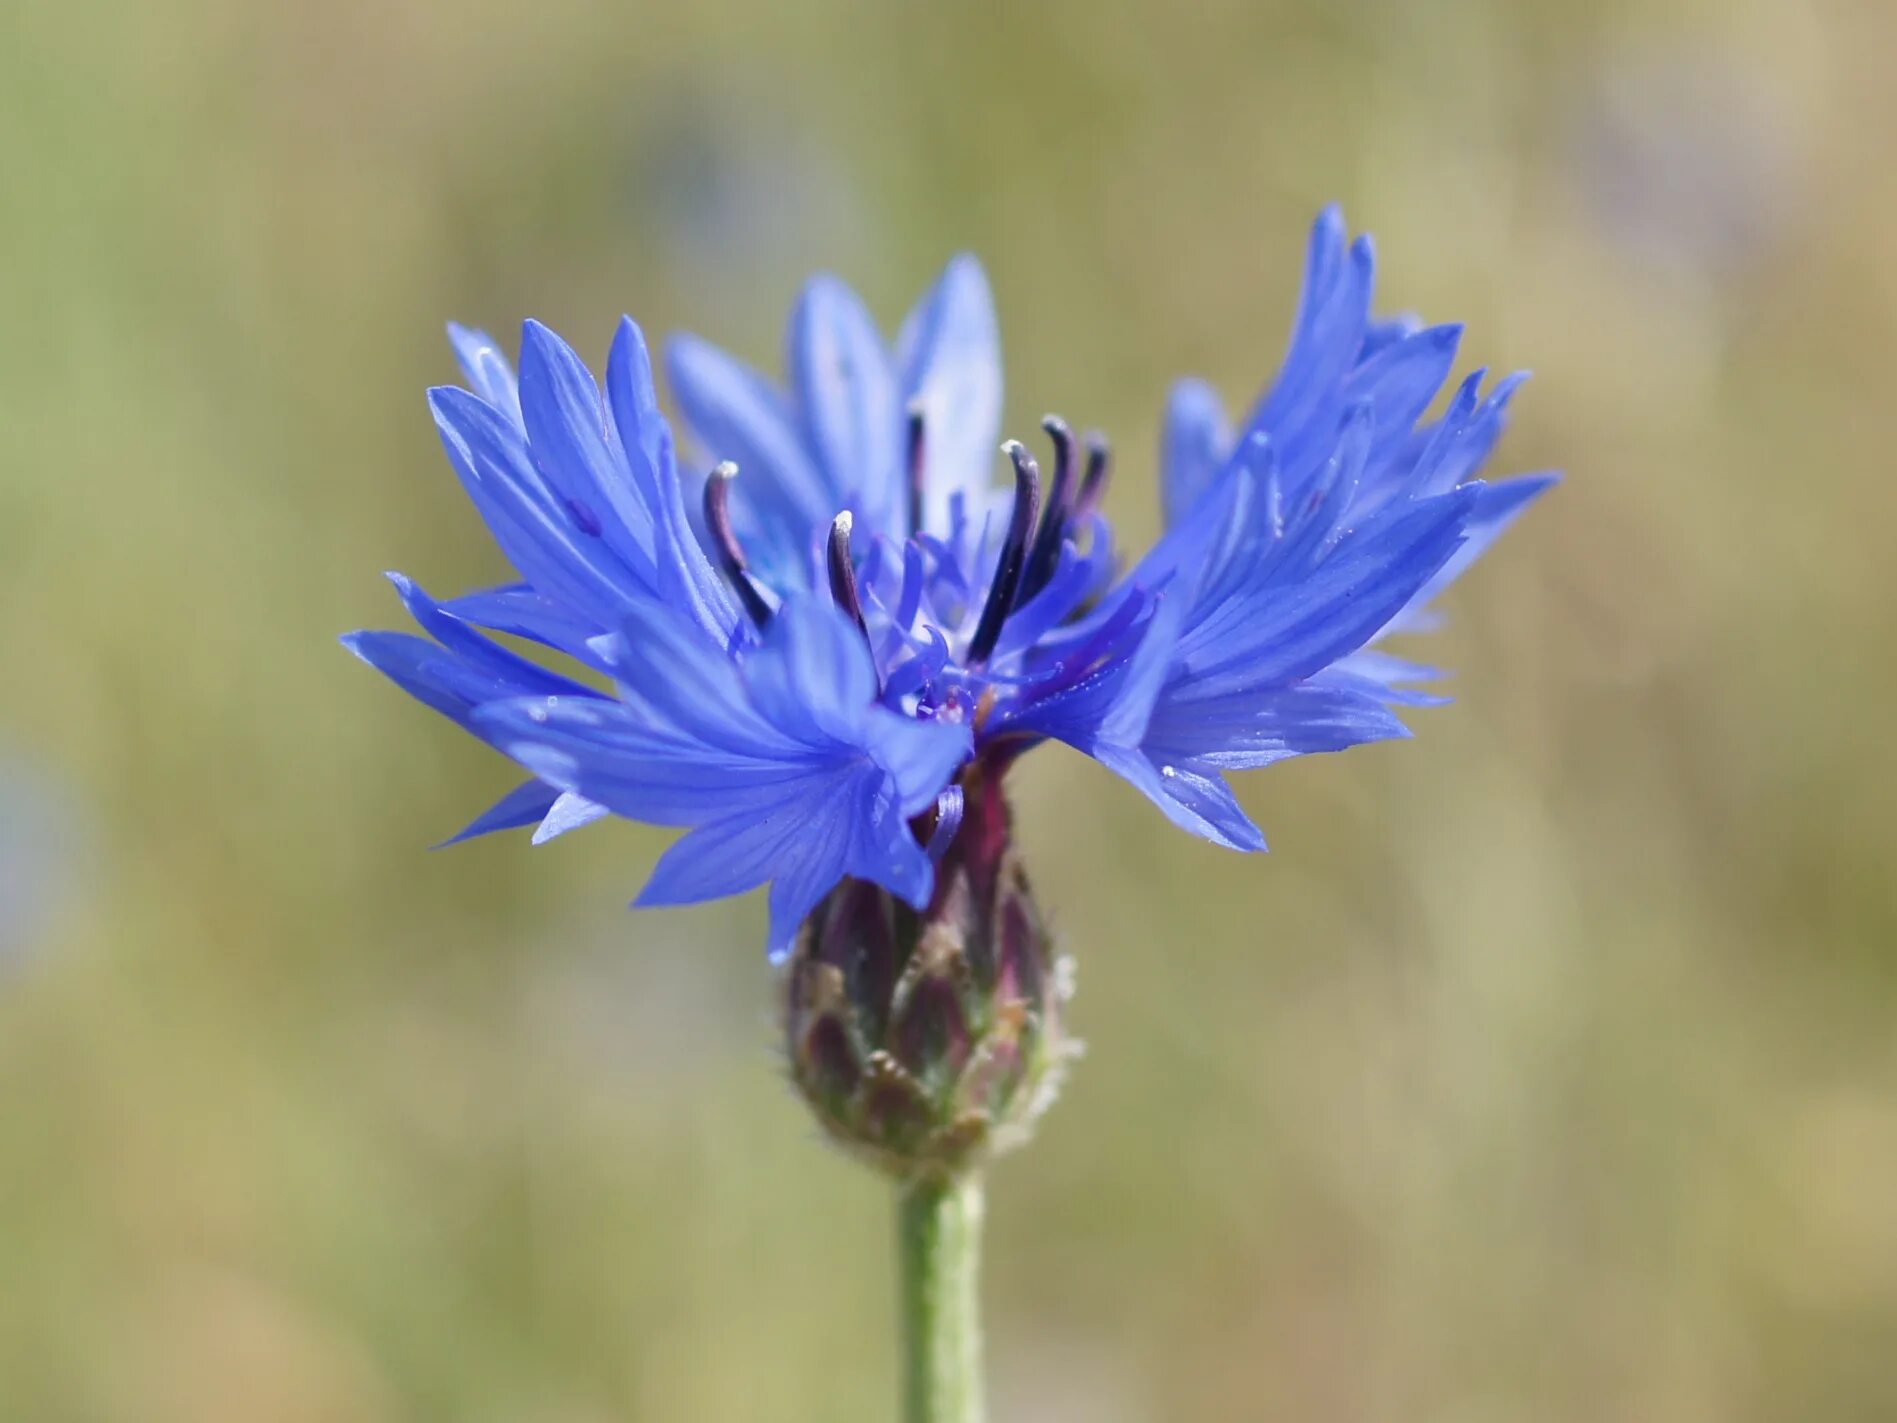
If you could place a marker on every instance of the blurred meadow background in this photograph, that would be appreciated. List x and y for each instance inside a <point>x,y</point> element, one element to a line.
<point>1546,1069</point>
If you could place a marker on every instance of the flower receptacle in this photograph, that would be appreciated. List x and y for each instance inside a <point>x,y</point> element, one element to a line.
<point>926,1042</point>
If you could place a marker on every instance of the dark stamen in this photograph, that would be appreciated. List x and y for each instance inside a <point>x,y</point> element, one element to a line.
<point>1093,486</point>
<point>1027,498</point>
<point>843,572</point>
<point>730,555</point>
<point>916,451</point>
<point>1044,557</point>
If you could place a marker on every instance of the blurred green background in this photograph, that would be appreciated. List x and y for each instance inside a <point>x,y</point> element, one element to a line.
<point>1546,1070</point>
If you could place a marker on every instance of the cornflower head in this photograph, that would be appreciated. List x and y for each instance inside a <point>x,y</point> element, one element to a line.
<point>818,648</point>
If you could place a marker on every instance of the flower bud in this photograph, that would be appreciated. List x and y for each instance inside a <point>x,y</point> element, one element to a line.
<point>926,1042</point>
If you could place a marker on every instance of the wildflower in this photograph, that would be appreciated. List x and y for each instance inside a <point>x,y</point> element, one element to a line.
<point>807,659</point>
<point>822,669</point>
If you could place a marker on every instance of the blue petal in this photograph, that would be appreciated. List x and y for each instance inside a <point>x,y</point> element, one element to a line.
<point>735,414</point>
<point>635,406</point>
<point>1385,677</point>
<point>785,770</point>
<point>428,672</point>
<point>487,369</point>
<point>518,610</point>
<point>729,856</point>
<point>921,757</point>
<point>1209,813</point>
<point>507,668</point>
<point>813,676</point>
<point>1186,746</point>
<point>950,355</point>
<point>521,806</point>
<point>1494,508</point>
<point>461,670</point>
<point>577,449</point>
<point>804,844</point>
<point>531,521</point>
<point>1402,379</point>
<point>686,578</point>
<point>1250,729</point>
<point>1326,339</point>
<point>1463,454</point>
<point>609,753</point>
<point>1194,447</point>
<point>1320,507</point>
<point>1277,633</point>
<point>1381,334</point>
<point>568,812</point>
<point>668,667</point>
<point>1424,460</point>
<point>1147,671</point>
<point>841,375</point>
<point>880,848</point>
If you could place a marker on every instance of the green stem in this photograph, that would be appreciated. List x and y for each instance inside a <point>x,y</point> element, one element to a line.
<point>939,1225</point>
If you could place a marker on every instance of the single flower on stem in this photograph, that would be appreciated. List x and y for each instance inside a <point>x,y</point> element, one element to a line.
<point>819,650</point>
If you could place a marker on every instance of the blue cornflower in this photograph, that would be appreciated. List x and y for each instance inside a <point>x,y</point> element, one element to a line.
<point>807,665</point>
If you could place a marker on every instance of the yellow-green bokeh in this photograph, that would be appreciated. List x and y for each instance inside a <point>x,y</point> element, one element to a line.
<point>1546,1069</point>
